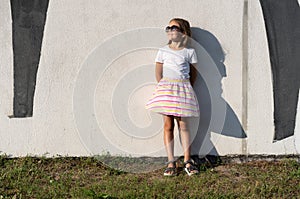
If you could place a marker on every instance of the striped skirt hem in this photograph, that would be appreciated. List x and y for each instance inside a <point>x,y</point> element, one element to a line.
<point>174,97</point>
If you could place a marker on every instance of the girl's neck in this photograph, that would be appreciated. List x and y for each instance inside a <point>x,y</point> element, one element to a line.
<point>176,45</point>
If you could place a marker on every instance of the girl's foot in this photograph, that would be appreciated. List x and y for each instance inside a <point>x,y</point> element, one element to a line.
<point>190,168</point>
<point>171,168</point>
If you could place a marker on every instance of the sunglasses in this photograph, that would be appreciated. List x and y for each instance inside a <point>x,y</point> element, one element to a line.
<point>173,28</point>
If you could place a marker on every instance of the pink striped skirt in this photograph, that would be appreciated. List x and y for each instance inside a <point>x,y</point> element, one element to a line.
<point>174,97</point>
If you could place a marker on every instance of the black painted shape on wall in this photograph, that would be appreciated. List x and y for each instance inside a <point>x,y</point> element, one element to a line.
<point>28,21</point>
<point>282,21</point>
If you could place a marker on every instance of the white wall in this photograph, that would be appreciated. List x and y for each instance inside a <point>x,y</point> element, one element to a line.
<point>97,70</point>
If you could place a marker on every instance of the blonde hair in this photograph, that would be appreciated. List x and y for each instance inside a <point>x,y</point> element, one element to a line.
<point>186,30</point>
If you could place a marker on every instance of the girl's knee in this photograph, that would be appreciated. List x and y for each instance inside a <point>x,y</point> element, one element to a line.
<point>183,129</point>
<point>168,123</point>
<point>168,126</point>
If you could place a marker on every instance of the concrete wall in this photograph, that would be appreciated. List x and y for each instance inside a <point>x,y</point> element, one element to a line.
<point>96,72</point>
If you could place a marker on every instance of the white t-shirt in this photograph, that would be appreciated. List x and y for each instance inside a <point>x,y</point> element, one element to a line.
<point>176,63</point>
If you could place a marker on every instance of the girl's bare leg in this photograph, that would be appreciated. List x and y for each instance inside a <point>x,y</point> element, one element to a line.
<point>169,137</point>
<point>185,137</point>
<point>185,141</point>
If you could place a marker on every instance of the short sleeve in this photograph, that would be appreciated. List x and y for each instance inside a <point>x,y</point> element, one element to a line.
<point>193,57</point>
<point>159,56</point>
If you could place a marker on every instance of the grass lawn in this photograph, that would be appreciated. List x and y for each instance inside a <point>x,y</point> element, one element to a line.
<point>87,177</point>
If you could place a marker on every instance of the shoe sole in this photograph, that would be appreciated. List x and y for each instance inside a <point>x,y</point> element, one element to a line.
<point>167,175</point>
<point>170,175</point>
<point>190,174</point>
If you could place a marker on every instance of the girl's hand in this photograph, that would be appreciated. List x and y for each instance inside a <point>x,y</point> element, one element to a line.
<point>158,71</point>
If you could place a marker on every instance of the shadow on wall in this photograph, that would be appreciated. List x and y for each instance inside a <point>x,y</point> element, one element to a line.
<point>202,143</point>
<point>283,33</point>
<point>28,22</point>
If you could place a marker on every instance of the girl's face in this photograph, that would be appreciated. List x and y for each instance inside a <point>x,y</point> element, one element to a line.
<point>173,34</point>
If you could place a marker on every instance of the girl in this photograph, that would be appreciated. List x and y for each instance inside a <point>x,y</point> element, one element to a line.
<point>174,96</point>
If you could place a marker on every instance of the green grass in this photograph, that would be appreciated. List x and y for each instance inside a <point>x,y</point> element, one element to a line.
<point>87,177</point>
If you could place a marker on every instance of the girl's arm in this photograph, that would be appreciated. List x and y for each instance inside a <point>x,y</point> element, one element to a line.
<point>158,71</point>
<point>193,74</point>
